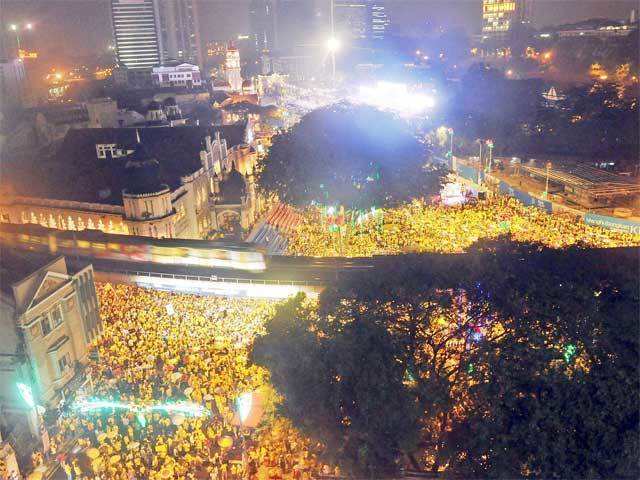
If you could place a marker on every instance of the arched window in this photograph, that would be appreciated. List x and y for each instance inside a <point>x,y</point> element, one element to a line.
<point>100,225</point>
<point>90,224</point>
<point>80,224</point>
<point>70,223</point>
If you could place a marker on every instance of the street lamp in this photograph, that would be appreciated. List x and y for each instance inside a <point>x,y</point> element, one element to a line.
<point>546,185</point>
<point>480,161</point>
<point>333,45</point>
<point>490,146</point>
<point>14,27</point>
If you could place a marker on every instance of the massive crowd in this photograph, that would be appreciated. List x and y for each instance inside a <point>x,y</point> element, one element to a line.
<point>419,227</point>
<point>166,348</point>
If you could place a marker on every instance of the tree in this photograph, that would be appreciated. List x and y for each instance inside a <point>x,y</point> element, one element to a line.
<point>556,395</point>
<point>343,388</point>
<point>512,360</point>
<point>356,156</point>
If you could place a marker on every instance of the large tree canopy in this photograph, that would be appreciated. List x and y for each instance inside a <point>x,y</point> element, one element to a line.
<point>356,156</point>
<point>510,361</point>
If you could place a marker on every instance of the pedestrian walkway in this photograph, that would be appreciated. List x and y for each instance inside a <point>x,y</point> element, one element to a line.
<point>271,231</point>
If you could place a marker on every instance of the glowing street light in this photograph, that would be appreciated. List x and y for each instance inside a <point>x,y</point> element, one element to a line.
<point>27,394</point>
<point>14,27</point>
<point>333,44</point>
<point>243,405</point>
<point>490,147</point>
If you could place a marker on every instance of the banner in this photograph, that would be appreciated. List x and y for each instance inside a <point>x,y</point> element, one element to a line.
<point>524,197</point>
<point>469,173</point>
<point>612,223</point>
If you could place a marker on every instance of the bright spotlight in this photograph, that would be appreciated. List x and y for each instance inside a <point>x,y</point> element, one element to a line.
<point>243,405</point>
<point>13,27</point>
<point>396,97</point>
<point>333,44</point>
<point>29,26</point>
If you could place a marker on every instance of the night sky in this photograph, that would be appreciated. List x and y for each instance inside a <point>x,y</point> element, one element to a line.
<point>80,27</point>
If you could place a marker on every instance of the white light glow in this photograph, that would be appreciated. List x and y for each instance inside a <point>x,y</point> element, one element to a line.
<point>333,44</point>
<point>396,97</point>
<point>243,405</point>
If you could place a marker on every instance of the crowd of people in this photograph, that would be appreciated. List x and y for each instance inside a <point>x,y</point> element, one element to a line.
<point>420,227</point>
<point>160,348</point>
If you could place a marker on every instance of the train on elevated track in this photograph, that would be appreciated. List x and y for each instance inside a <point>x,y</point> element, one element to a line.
<point>127,248</point>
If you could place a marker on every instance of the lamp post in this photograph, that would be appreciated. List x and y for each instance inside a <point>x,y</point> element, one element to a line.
<point>490,146</point>
<point>546,184</point>
<point>451,142</point>
<point>333,44</point>
<point>480,161</point>
<point>14,27</point>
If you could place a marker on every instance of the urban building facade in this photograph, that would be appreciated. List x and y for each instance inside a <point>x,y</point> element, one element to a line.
<point>136,32</point>
<point>149,33</point>
<point>262,19</point>
<point>182,75</point>
<point>499,16</point>
<point>360,20</point>
<point>48,319</point>
<point>12,82</point>
<point>179,32</point>
<point>157,182</point>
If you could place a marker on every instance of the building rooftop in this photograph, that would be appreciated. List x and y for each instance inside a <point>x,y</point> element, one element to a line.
<point>74,172</point>
<point>16,265</point>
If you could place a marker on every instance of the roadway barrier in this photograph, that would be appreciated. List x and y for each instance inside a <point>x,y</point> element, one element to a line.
<point>612,223</point>
<point>469,173</point>
<point>213,285</point>
<point>525,197</point>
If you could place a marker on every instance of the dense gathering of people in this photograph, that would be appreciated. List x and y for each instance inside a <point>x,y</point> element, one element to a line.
<point>421,227</point>
<point>160,348</point>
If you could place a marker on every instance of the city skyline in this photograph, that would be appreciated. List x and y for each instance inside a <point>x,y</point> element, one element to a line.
<point>86,28</point>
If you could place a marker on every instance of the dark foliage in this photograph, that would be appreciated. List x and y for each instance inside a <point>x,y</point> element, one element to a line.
<point>356,156</point>
<point>549,390</point>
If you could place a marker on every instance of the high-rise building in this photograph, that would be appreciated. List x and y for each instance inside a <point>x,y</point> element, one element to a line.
<point>150,32</point>
<point>135,28</point>
<point>360,19</point>
<point>262,19</point>
<point>378,21</point>
<point>350,19</point>
<point>179,32</point>
<point>499,16</point>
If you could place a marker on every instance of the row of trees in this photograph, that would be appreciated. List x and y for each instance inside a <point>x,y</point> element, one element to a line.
<point>509,361</point>
<point>593,122</point>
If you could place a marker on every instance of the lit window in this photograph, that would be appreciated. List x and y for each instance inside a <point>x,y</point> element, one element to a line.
<point>56,317</point>
<point>45,326</point>
<point>64,363</point>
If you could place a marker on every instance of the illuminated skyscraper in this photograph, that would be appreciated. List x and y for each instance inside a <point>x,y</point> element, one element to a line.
<point>360,19</point>
<point>499,16</point>
<point>135,28</point>
<point>150,32</point>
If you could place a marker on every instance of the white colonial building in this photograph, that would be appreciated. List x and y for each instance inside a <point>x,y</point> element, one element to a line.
<point>182,75</point>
